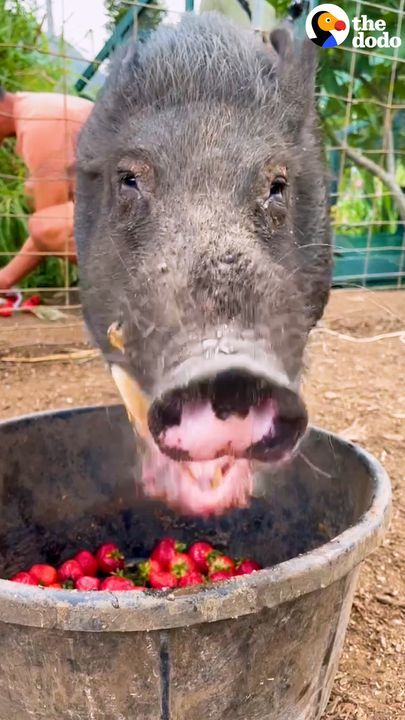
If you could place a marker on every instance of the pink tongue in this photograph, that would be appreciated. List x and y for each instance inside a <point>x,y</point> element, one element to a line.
<point>204,436</point>
<point>191,487</point>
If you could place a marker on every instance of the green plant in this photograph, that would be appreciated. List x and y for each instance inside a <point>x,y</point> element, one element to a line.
<point>148,19</point>
<point>373,132</point>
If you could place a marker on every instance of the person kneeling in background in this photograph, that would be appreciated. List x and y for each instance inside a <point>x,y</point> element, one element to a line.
<point>46,127</point>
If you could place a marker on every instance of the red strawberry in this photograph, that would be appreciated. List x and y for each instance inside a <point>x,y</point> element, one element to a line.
<point>246,567</point>
<point>87,562</point>
<point>24,578</point>
<point>109,558</point>
<point>181,564</point>
<point>117,584</point>
<point>88,582</point>
<point>161,579</point>
<point>165,551</point>
<point>6,307</point>
<point>55,586</point>
<point>44,574</point>
<point>221,575</point>
<point>147,567</point>
<point>192,578</point>
<point>199,552</point>
<point>70,570</point>
<point>218,562</point>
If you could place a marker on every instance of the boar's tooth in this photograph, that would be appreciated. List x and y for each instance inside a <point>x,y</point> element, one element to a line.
<point>135,402</point>
<point>216,480</point>
<point>186,468</point>
<point>115,336</point>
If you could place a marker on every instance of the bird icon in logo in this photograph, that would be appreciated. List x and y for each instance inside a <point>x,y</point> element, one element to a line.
<point>323,23</point>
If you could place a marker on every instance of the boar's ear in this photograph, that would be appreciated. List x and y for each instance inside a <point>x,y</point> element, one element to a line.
<point>122,69</point>
<point>282,42</point>
<point>296,70</point>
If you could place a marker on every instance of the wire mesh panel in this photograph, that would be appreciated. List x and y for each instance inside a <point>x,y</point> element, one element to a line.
<point>37,72</point>
<point>361,99</point>
<point>362,104</point>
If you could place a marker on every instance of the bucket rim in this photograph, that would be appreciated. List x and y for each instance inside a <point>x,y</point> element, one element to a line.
<point>243,595</point>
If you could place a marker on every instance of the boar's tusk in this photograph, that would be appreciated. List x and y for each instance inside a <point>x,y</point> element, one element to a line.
<point>115,336</point>
<point>135,402</point>
<point>216,480</point>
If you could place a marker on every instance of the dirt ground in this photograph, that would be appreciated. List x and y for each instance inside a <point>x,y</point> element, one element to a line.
<point>352,386</point>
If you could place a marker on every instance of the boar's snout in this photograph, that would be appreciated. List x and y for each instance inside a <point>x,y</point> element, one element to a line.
<point>228,406</point>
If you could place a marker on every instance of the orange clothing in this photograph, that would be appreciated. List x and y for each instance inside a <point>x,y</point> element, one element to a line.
<point>47,127</point>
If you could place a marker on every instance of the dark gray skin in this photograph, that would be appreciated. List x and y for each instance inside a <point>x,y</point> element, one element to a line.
<point>201,213</point>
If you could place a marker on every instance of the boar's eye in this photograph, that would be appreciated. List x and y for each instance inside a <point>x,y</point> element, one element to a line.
<point>277,188</point>
<point>128,180</point>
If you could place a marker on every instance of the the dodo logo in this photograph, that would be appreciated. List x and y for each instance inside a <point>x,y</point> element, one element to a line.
<point>327,25</point>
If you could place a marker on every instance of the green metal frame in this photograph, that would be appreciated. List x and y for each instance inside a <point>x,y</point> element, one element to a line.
<point>118,36</point>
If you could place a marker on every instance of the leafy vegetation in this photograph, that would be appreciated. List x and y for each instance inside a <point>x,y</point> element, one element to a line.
<point>148,19</point>
<point>375,135</point>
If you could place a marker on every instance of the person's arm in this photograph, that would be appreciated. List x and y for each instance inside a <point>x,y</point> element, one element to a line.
<point>20,266</point>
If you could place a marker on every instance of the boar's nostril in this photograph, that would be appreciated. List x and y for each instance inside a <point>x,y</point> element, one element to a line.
<point>233,392</point>
<point>166,414</point>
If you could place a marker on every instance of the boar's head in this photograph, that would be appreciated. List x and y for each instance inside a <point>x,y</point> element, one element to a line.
<point>202,228</point>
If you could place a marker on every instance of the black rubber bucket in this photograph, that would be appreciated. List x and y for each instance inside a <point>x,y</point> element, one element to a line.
<point>260,647</point>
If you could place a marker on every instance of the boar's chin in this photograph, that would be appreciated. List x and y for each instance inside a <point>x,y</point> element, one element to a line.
<point>206,487</point>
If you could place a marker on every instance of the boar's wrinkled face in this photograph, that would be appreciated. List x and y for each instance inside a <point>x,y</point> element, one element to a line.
<point>201,224</point>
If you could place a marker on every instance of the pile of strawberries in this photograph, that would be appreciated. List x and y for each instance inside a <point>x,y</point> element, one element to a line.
<point>170,565</point>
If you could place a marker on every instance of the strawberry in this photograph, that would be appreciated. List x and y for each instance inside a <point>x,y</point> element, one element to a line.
<point>161,579</point>
<point>87,582</point>
<point>70,570</point>
<point>147,567</point>
<point>181,564</point>
<point>24,578</point>
<point>117,584</point>
<point>44,574</point>
<point>87,562</point>
<point>55,586</point>
<point>199,552</point>
<point>165,551</point>
<point>218,562</point>
<point>192,578</point>
<point>109,558</point>
<point>221,575</point>
<point>246,567</point>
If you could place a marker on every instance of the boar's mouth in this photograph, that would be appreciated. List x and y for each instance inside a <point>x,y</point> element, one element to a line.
<point>203,441</point>
<point>202,486</point>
